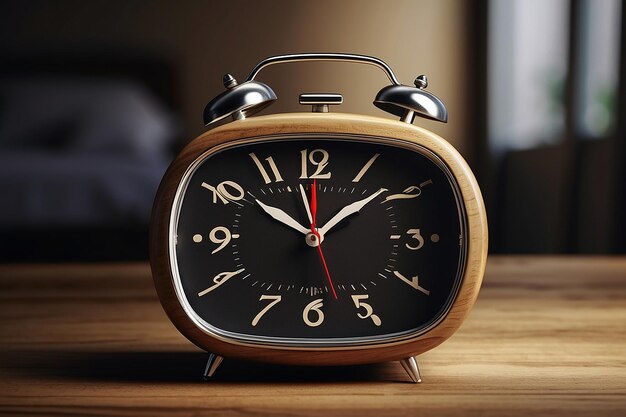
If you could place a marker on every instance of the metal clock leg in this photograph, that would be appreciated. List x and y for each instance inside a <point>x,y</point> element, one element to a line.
<point>212,364</point>
<point>410,366</point>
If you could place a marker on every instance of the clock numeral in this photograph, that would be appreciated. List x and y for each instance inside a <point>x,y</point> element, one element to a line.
<point>264,174</point>
<point>221,241</point>
<point>320,165</point>
<point>220,279</point>
<point>314,306</point>
<point>413,282</point>
<point>276,299</point>
<point>365,168</point>
<point>369,311</point>
<point>224,194</point>
<point>410,192</point>
<point>415,234</point>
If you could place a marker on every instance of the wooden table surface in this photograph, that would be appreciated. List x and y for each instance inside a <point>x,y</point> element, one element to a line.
<point>547,336</point>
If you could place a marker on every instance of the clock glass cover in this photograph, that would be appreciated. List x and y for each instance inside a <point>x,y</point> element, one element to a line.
<point>248,265</point>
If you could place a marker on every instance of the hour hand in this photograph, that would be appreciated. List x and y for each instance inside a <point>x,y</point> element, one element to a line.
<point>284,218</point>
<point>306,204</point>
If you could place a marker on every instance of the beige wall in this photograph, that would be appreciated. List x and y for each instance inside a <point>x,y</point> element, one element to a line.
<point>210,38</point>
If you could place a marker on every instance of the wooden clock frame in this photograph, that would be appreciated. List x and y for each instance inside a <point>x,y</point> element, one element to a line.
<point>331,124</point>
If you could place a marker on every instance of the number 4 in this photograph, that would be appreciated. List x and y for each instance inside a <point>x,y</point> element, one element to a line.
<point>413,282</point>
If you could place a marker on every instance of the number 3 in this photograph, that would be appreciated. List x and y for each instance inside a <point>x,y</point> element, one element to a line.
<point>415,234</point>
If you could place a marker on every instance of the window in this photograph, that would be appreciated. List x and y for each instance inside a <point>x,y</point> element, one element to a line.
<point>527,69</point>
<point>600,24</point>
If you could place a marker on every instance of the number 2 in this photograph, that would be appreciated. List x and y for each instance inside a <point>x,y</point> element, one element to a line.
<point>412,191</point>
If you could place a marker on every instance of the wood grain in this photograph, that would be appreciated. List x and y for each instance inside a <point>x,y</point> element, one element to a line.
<point>325,124</point>
<point>547,337</point>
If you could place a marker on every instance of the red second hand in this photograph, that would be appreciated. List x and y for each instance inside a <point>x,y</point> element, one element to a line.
<point>314,207</point>
<point>319,240</point>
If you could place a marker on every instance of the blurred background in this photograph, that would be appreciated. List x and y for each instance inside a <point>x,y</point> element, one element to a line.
<point>97,97</point>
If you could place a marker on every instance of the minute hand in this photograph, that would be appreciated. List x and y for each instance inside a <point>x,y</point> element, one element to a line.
<point>347,211</point>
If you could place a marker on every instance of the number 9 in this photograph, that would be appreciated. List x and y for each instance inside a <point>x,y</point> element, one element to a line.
<point>222,242</point>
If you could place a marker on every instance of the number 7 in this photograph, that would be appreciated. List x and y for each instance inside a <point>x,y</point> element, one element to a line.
<point>276,299</point>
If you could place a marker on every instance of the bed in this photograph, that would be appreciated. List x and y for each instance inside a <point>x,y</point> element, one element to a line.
<point>81,155</point>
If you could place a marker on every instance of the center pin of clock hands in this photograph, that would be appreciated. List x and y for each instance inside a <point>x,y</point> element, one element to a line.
<point>316,236</point>
<point>312,216</point>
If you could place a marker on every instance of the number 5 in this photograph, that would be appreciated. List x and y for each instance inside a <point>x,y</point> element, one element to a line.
<point>368,309</point>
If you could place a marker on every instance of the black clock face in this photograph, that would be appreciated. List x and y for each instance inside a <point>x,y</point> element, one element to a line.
<point>249,220</point>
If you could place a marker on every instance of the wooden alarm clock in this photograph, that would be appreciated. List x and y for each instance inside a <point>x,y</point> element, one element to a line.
<point>318,237</point>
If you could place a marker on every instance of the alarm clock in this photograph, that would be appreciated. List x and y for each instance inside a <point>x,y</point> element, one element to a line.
<point>318,237</point>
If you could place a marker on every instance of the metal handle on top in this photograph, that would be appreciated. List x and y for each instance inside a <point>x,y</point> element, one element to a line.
<point>358,59</point>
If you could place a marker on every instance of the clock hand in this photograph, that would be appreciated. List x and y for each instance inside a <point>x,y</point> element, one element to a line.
<point>347,211</point>
<point>330,281</point>
<point>314,207</point>
<point>319,238</point>
<point>306,204</point>
<point>284,218</point>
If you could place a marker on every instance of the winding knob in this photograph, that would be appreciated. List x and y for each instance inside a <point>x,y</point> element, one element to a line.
<point>321,101</point>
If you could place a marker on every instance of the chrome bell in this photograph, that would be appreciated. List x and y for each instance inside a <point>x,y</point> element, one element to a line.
<point>239,100</point>
<point>407,102</point>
